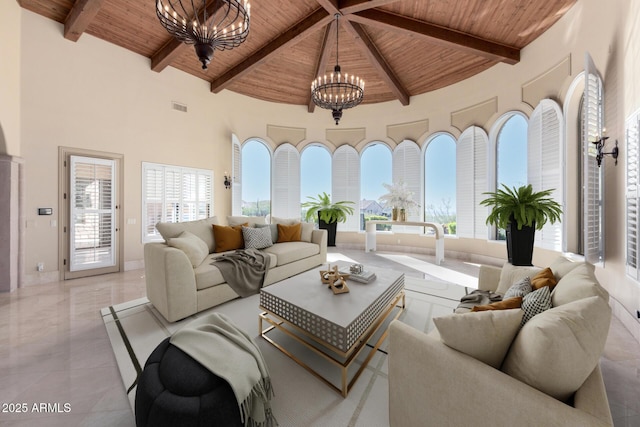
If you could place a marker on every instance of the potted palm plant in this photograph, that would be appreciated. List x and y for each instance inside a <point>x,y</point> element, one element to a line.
<point>329,213</point>
<point>520,211</point>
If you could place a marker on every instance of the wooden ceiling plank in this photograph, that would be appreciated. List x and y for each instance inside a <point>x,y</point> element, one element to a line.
<point>443,36</point>
<point>353,6</point>
<point>299,31</point>
<point>323,58</point>
<point>377,61</point>
<point>79,18</point>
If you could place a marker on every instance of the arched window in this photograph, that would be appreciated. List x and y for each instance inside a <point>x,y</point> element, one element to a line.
<point>315,173</point>
<point>440,182</point>
<point>511,153</point>
<point>375,170</point>
<point>256,179</point>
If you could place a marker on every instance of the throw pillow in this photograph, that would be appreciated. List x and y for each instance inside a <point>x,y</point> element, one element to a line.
<point>544,278</point>
<point>256,238</point>
<point>535,303</point>
<point>194,247</point>
<point>289,233</point>
<point>505,304</point>
<point>201,228</point>
<point>273,228</point>
<point>511,274</point>
<point>557,350</point>
<point>579,283</point>
<point>485,336</point>
<point>518,289</point>
<point>562,265</point>
<point>228,238</point>
<point>242,219</point>
<point>306,227</point>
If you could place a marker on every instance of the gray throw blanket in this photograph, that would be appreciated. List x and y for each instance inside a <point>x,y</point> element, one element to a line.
<point>230,353</point>
<point>244,270</point>
<point>479,297</point>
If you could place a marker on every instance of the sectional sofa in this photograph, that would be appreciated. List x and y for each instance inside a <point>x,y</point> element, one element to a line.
<point>181,280</point>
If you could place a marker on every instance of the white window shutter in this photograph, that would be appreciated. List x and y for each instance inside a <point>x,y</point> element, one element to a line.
<point>345,183</point>
<point>471,183</point>
<point>592,177</point>
<point>632,138</point>
<point>545,159</point>
<point>236,176</point>
<point>286,182</point>
<point>406,168</point>
<point>153,190</point>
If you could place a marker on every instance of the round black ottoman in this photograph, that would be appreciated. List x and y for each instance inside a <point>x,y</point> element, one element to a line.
<point>175,390</point>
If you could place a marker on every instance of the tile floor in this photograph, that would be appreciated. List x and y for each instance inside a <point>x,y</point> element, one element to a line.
<point>57,368</point>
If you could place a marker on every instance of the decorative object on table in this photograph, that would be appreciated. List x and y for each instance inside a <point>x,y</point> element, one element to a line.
<point>337,92</point>
<point>208,25</point>
<point>329,214</point>
<point>399,198</point>
<point>336,280</point>
<point>356,268</point>
<point>363,276</point>
<point>520,211</point>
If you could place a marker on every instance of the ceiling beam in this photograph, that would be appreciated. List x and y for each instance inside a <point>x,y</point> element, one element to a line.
<point>377,61</point>
<point>79,18</point>
<point>323,59</point>
<point>331,6</point>
<point>437,34</point>
<point>352,6</point>
<point>164,56</point>
<point>293,35</point>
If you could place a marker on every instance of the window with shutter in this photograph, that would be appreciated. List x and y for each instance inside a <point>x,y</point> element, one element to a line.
<point>375,170</point>
<point>315,173</point>
<point>346,183</point>
<point>407,168</point>
<point>255,178</point>
<point>236,176</point>
<point>174,194</point>
<point>286,182</point>
<point>632,139</point>
<point>545,164</point>
<point>471,183</point>
<point>440,181</point>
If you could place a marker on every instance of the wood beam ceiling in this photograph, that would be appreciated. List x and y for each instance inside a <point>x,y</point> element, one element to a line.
<point>323,59</point>
<point>79,18</point>
<point>348,7</point>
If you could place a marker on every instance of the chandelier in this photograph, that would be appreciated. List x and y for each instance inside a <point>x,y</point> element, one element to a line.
<point>337,92</point>
<point>208,25</point>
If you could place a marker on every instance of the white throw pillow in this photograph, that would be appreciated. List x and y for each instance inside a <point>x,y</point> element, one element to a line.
<point>193,246</point>
<point>579,283</point>
<point>202,228</point>
<point>241,219</point>
<point>557,350</point>
<point>256,238</point>
<point>485,336</point>
<point>511,274</point>
<point>561,266</point>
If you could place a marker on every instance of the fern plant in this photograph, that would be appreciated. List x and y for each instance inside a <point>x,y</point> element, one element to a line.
<point>329,211</point>
<point>522,205</point>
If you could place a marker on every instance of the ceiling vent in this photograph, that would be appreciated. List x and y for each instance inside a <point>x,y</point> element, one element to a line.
<point>178,106</point>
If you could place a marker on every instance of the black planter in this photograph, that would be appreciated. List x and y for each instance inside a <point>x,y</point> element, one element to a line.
<point>520,243</point>
<point>331,230</point>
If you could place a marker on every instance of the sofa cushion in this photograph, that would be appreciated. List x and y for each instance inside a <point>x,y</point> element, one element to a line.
<point>306,228</point>
<point>511,274</point>
<point>289,233</point>
<point>579,283</point>
<point>208,275</point>
<point>485,336</point>
<point>292,251</point>
<point>542,278</point>
<point>249,220</point>
<point>256,238</point>
<point>193,246</point>
<point>535,303</point>
<point>505,304</point>
<point>557,350</point>
<point>273,229</point>
<point>201,228</point>
<point>228,238</point>
<point>562,265</point>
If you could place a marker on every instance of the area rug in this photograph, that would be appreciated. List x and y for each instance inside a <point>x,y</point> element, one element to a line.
<point>135,328</point>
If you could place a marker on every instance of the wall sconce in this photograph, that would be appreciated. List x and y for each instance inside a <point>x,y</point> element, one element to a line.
<point>227,180</point>
<point>600,153</point>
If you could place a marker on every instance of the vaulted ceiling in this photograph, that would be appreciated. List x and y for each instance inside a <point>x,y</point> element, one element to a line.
<point>401,48</point>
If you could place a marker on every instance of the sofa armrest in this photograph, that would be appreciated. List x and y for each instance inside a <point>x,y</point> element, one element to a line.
<point>170,281</point>
<point>432,384</point>
<point>489,277</point>
<point>319,237</point>
<point>592,397</point>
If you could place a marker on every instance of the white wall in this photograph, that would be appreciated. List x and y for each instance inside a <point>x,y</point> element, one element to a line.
<point>10,24</point>
<point>93,95</point>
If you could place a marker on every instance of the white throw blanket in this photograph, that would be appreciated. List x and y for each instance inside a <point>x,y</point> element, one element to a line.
<point>230,353</point>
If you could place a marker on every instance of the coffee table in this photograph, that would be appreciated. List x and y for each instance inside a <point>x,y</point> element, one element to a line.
<point>336,327</point>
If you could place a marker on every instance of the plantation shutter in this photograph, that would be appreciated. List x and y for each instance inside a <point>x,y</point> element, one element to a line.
<point>471,183</point>
<point>236,176</point>
<point>592,177</point>
<point>545,159</point>
<point>286,182</point>
<point>346,183</point>
<point>93,213</point>
<point>406,168</point>
<point>174,194</point>
<point>632,195</point>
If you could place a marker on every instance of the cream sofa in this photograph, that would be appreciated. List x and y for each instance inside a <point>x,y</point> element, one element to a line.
<point>547,375</point>
<point>179,286</point>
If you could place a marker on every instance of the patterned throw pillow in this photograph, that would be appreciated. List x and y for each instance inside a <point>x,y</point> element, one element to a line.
<point>535,303</point>
<point>518,289</point>
<point>257,238</point>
